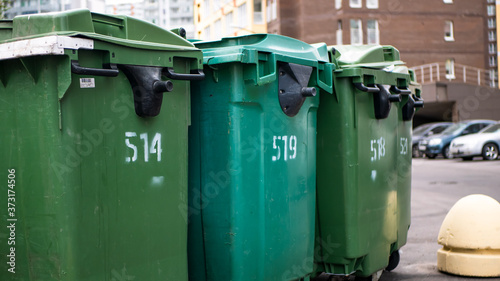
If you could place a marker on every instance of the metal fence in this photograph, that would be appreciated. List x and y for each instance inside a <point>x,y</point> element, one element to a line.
<point>435,72</point>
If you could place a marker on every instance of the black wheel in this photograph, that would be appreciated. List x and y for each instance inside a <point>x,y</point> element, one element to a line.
<point>415,152</point>
<point>468,158</point>
<point>431,156</point>
<point>446,152</point>
<point>490,151</point>
<point>393,261</point>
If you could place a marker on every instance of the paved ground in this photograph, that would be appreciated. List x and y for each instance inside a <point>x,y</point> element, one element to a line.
<point>436,186</point>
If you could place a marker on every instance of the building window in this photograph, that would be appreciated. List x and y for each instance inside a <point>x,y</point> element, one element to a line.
<point>206,33</point>
<point>229,24</point>
<point>492,35</point>
<point>372,32</point>
<point>450,69</point>
<point>493,61</point>
<point>218,29</point>
<point>339,33</point>
<point>372,4</point>
<point>355,3</point>
<point>338,4</point>
<point>272,10</point>
<point>242,16</point>
<point>206,9</point>
<point>492,23</point>
<point>492,48</point>
<point>216,5</point>
<point>257,12</point>
<point>448,31</point>
<point>493,78</point>
<point>448,1</point>
<point>356,32</point>
<point>491,10</point>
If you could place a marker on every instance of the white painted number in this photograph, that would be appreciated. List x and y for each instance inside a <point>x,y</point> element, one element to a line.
<point>289,145</point>
<point>404,146</point>
<point>377,147</point>
<point>133,147</point>
<point>154,148</point>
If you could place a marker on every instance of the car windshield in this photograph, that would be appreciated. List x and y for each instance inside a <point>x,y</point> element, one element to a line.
<point>492,128</point>
<point>453,129</point>
<point>420,130</point>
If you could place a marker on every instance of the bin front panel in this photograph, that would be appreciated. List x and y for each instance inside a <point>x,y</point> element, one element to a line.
<point>100,191</point>
<point>254,202</point>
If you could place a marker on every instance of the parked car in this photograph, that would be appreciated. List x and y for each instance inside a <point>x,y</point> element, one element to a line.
<point>485,144</point>
<point>434,145</point>
<point>426,130</point>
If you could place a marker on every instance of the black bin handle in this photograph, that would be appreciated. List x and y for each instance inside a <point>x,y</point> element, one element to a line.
<point>363,88</point>
<point>196,74</point>
<point>112,71</point>
<point>400,91</point>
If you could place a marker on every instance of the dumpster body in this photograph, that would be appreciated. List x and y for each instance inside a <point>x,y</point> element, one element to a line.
<point>252,159</point>
<point>363,162</point>
<point>95,141</point>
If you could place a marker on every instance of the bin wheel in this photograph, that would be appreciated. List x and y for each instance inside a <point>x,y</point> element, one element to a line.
<point>393,261</point>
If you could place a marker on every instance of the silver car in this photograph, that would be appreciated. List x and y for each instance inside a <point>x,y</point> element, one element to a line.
<point>485,143</point>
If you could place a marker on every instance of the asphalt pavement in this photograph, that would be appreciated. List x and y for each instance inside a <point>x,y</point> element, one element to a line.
<point>436,186</point>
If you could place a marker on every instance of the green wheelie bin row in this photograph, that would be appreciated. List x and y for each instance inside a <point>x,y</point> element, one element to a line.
<point>133,154</point>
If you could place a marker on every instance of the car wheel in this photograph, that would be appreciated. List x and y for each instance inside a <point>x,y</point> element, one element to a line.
<point>446,152</point>
<point>431,156</point>
<point>468,158</point>
<point>490,151</point>
<point>415,152</point>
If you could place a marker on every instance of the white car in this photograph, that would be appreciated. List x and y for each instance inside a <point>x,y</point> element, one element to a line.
<point>485,143</point>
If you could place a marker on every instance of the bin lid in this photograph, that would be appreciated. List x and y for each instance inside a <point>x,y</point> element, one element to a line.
<point>241,48</point>
<point>122,30</point>
<point>369,56</point>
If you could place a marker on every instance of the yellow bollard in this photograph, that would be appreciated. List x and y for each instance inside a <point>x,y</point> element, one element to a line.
<point>470,235</point>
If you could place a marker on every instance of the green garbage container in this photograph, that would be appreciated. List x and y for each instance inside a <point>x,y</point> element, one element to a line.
<point>363,188</point>
<point>252,158</point>
<point>94,148</point>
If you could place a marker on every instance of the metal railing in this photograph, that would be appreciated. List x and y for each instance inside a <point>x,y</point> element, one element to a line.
<point>435,72</point>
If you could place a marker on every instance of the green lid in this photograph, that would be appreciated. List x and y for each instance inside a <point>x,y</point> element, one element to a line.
<point>370,56</point>
<point>240,49</point>
<point>268,49</point>
<point>121,30</point>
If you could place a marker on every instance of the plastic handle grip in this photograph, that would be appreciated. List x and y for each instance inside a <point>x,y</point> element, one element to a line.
<point>262,80</point>
<point>363,88</point>
<point>77,69</point>
<point>196,74</point>
<point>400,91</point>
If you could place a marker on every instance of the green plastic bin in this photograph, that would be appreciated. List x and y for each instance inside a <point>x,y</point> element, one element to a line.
<point>364,161</point>
<point>252,158</point>
<point>94,143</point>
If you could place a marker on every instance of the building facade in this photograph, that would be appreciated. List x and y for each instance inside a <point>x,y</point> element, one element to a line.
<point>168,14</point>
<point>424,31</point>
<point>215,19</point>
<point>25,7</point>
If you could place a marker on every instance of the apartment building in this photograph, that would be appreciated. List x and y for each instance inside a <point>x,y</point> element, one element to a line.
<point>168,14</point>
<point>24,7</point>
<point>215,19</point>
<point>424,31</point>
